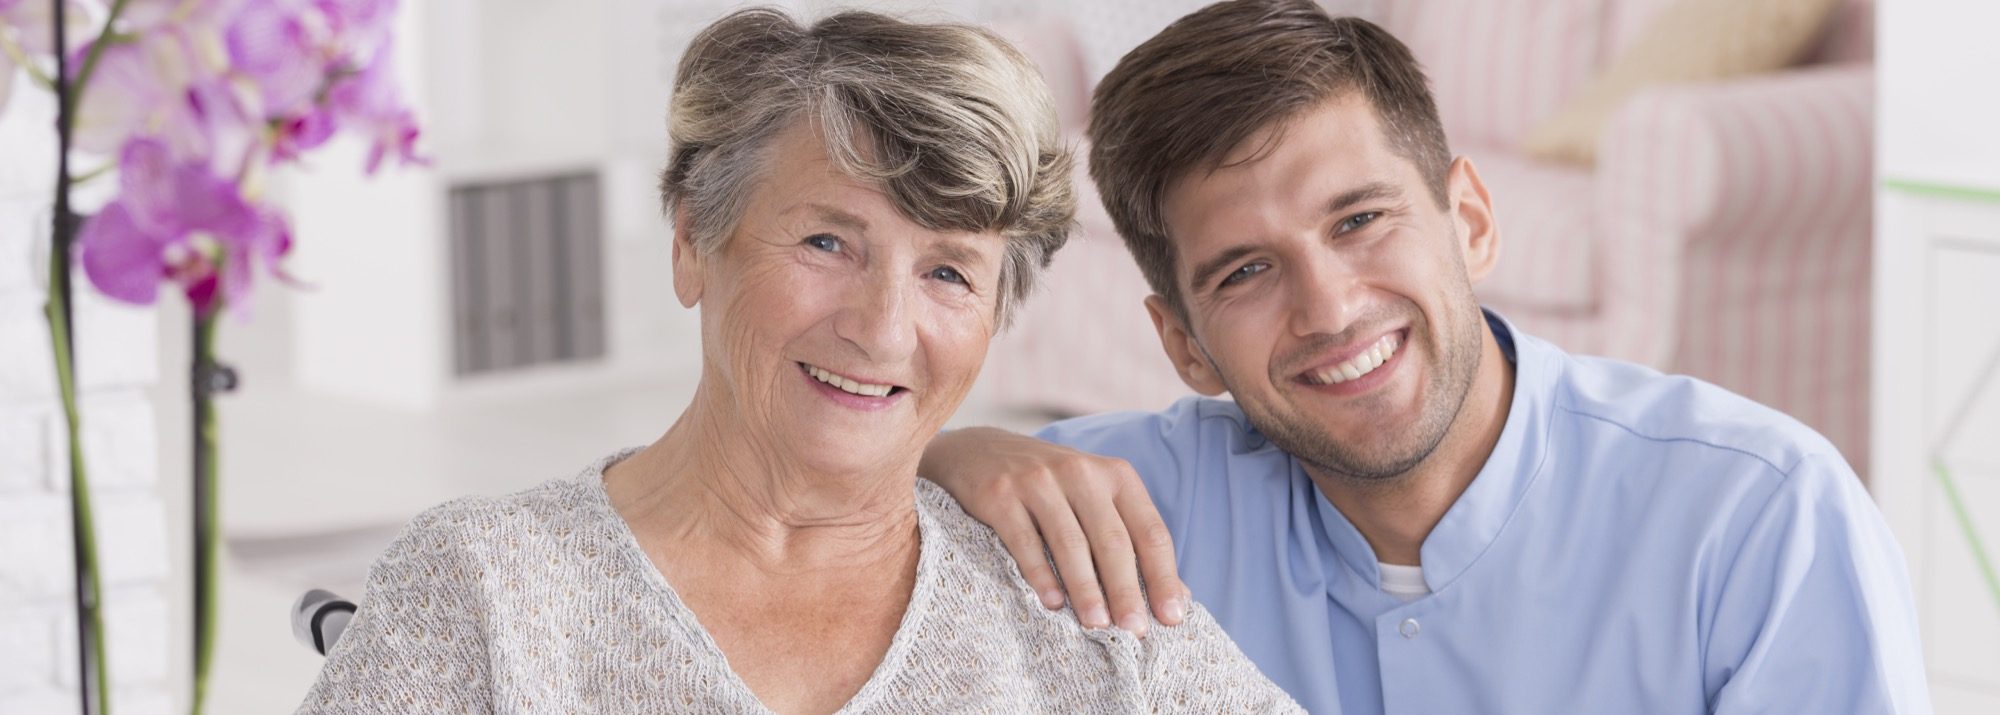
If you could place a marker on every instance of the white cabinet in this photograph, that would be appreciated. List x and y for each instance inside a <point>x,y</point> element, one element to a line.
<point>1937,424</point>
<point>508,91</point>
<point>1937,330</point>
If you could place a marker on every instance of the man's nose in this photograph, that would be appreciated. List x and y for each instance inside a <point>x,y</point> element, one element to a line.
<point>1325,295</point>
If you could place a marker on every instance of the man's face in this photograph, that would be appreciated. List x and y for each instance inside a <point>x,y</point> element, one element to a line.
<point>1328,292</point>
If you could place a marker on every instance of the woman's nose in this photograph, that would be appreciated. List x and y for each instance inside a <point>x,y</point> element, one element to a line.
<point>877,320</point>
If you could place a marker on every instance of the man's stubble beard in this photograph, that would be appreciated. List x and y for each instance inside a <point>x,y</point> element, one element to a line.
<point>1380,465</point>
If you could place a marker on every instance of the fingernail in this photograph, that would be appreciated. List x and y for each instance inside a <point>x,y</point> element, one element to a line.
<point>1177,609</point>
<point>1096,617</point>
<point>1052,600</point>
<point>1133,623</point>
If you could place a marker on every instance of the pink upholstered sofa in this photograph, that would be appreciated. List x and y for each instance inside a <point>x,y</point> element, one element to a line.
<point>1723,232</point>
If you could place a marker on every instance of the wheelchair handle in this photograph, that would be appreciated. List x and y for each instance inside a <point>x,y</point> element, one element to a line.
<point>319,617</point>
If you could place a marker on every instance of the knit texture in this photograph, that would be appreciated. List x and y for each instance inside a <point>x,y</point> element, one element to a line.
<point>543,602</point>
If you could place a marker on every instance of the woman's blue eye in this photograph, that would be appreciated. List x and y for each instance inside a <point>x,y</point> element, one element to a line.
<point>1359,220</point>
<point>948,274</point>
<point>1244,273</point>
<point>824,242</point>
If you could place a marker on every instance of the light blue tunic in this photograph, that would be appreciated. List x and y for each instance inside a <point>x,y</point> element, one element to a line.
<point>1636,543</point>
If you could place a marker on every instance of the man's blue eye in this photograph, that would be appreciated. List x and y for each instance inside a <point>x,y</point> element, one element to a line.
<point>1359,220</point>
<point>1244,273</point>
<point>824,242</point>
<point>948,274</point>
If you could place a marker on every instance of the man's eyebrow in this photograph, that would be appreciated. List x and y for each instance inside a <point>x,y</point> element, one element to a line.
<point>1372,191</point>
<point>1366,192</point>
<point>1205,272</point>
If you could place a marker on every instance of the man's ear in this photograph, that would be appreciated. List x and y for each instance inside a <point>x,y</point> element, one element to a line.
<point>1472,215</point>
<point>1189,359</point>
<point>689,263</point>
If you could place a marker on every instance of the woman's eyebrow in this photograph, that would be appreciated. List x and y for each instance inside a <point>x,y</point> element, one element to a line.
<point>838,217</point>
<point>958,250</point>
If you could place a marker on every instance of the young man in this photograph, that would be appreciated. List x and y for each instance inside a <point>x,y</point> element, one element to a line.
<point>1410,506</point>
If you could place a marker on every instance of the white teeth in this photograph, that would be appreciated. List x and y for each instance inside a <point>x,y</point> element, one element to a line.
<point>846,385</point>
<point>1360,364</point>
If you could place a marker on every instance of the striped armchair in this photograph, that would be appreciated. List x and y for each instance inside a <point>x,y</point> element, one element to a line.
<point>1723,233</point>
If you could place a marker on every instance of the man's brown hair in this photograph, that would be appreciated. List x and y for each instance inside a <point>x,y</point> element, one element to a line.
<point>1183,100</point>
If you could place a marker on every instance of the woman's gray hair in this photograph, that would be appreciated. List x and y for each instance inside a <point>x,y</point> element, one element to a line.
<point>954,123</point>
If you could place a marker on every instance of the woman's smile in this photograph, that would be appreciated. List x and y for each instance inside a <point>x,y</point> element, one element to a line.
<point>852,393</point>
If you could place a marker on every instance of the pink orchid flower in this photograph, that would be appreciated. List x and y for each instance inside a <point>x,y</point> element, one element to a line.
<point>175,220</point>
<point>196,96</point>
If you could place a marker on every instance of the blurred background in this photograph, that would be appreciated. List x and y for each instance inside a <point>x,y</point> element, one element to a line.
<point>1799,201</point>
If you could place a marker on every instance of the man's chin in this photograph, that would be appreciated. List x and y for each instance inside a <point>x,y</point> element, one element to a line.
<point>1365,471</point>
<point>1351,451</point>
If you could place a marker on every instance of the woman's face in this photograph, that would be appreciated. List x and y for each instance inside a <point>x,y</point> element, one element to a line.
<point>843,334</point>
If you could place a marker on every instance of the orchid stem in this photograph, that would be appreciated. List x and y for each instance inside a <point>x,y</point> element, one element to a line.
<point>85,177</point>
<point>94,682</point>
<point>104,37</point>
<point>207,522</point>
<point>57,309</point>
<point>19,57</point>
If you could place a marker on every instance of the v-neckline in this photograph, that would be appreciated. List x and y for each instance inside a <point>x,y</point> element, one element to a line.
<point>878,681</point>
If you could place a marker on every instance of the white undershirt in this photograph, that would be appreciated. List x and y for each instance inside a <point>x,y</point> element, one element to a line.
<point>1406,583</point>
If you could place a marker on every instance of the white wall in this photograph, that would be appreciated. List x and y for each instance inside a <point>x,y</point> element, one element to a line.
<point>1938,101</point>
<point>372,323</point>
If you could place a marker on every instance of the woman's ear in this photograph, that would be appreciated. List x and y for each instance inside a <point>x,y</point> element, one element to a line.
<point>1472,213</point>
<point>689,263</point>
<point>1189,359</point>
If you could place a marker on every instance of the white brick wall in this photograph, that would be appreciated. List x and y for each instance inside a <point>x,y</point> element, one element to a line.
<point>120,359</point>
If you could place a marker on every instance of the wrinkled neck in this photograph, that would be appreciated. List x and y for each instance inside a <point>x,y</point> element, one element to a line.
<point>713,482</point>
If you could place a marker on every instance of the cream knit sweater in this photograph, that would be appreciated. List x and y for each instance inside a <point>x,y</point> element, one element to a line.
<point>542,602</point>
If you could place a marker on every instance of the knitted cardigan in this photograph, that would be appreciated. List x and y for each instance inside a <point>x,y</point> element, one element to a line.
<point>543,602</point>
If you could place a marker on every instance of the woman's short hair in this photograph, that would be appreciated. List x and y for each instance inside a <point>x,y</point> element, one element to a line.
<point>955,124</point>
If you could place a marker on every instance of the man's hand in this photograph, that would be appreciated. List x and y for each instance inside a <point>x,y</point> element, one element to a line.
<point>1092,513</point>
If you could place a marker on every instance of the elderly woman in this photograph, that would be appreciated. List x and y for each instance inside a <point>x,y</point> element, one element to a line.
<point>858,206</point>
